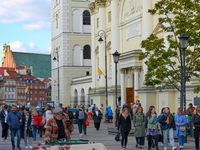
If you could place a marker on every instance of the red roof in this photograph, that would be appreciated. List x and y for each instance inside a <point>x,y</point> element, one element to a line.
<point>46,80</point>
<point>20,67</point>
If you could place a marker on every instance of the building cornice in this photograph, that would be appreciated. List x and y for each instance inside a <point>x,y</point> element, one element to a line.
<point>92,7</point>
<point>100,3</point>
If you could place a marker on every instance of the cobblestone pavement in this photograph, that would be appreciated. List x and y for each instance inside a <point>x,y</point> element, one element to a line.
<point>100,136</point>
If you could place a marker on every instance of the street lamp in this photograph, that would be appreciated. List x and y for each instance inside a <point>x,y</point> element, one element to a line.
<point>116,60</point>
<point>183,45</point>
<point>54,59</point>
<point>102,34</point>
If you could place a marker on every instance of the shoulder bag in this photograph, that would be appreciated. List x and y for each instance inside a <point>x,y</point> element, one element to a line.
<point>182,128</point>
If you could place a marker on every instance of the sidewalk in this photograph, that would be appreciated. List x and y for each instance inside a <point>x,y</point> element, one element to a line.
<point>100,136</point>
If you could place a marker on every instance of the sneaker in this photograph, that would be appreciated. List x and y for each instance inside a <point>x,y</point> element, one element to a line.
<point>2,139</point>
<point>85,134</point>
<point>181,147</point>
<point>174,148</point>
<point>162,144</point>
<point>19,148</point>
<point>80,136</point>
<point>30,147</point>
<point>165,148</point>
<point>26,147</point>
<point>6,140</point>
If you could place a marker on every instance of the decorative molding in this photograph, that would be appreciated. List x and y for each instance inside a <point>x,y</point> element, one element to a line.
<point>100,3</point>
<point>92,7</point>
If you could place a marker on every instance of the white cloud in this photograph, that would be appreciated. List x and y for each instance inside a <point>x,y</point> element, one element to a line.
<point>31,44</point>
<point>36,26</point>
<point>31,48</point>
<point>27,12</point>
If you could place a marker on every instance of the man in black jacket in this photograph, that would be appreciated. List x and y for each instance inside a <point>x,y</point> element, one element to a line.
<point>3,115</point>
<point>97,116</point>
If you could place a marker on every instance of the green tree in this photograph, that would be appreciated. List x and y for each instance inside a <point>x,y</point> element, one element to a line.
<point>165,64</point>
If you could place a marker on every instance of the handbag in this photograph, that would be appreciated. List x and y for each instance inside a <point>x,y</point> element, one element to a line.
<point>117,137</point>
<point>182,128</point>
<point>87,123</point>
<point>197,120</point>
<point>154,121</point>
<point>43,120</point>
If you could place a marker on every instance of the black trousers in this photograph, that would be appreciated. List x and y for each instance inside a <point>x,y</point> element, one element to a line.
<point>97,125</point>
<point>84,128</point>
<point>196,136</point>
<point>40,129</point>
<point>4,130</point>
<point>149,137</point>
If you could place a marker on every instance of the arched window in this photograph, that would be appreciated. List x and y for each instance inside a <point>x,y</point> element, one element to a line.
<point>75,97</point>
<point>86,52</point>
<point>82,97</point>
<point>86,17</point>
<point>56,21</point>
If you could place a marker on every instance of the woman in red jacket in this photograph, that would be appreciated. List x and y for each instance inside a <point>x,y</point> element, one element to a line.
<point>35,123</point>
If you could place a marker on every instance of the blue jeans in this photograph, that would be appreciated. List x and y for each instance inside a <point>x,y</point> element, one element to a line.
<point>140,140</point>
<point>13,131</point>
<point>34,131</point>
<point>124,138</point>
<point>165,137</point>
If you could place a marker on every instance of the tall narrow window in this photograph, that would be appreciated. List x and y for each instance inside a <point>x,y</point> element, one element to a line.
<point>86,52</point>
<point>56,21</point>
<point>86,17</point>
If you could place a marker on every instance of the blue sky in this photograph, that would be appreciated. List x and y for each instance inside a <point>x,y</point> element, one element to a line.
<point>26,25</point>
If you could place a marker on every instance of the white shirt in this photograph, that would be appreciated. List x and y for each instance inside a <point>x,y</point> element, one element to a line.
<point>97,113</point>
<point>6,113</point>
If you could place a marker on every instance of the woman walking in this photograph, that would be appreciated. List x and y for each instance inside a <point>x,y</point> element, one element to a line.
<point>35,123</point>
<point>125,127</point>
<point>152,127</point>
<point>46,116</point>
<point>180,121</point>
<point>26,128</point>
<point>110,114</point>
<point>139,124</point>
<point>167,126</point>
<point>196,126</point>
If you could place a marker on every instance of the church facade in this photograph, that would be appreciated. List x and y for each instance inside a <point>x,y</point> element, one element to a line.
<point>126,23</point>
<point>71,47</point>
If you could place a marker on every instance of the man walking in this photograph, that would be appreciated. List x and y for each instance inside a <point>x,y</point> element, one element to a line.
<point>14,121</point>
<point>3,115</point>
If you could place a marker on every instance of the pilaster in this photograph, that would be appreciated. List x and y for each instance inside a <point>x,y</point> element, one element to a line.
<point>123,86</point>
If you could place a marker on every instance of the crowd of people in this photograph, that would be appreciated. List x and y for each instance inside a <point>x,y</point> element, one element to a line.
<point>158,127</point>
<point>57,123</point>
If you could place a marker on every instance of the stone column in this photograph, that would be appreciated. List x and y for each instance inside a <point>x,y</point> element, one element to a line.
<point>123,88</point>
<point>147,27</point>
<point>136,81</point>
<point>114,35</point>
<point>94,74</point>
<point>102,26</point>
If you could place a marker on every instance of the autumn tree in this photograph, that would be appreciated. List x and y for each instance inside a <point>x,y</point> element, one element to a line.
<point>165,63</point>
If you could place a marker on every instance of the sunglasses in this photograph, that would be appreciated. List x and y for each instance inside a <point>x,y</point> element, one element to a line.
<point>59,114</point>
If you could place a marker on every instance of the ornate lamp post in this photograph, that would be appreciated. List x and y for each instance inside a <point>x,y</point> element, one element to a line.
<point>116,60</point>
<point>102,34</point>
<point>57,59</point>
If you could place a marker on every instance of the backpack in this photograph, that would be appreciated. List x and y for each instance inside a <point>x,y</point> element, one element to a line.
<point>70,114</point>
<point>81,114</point>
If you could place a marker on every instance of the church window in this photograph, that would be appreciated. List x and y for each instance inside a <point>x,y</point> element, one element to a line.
<point>86,18</point>
<point>109,16</point>
<point>86,52</point>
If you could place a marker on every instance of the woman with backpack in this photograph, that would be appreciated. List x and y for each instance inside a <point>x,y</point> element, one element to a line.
<point>180,121</point>
<point>125,127</point>
<point>168,126</point>
<point>196,126</point>
<point>139,124</point>
<point>80,116</point>
<point>152,127</point>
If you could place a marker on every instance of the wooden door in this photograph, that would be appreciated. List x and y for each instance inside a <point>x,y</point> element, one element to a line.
<point>129,96</point>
